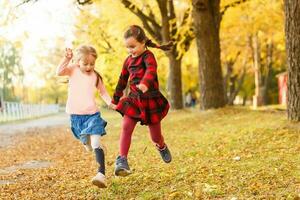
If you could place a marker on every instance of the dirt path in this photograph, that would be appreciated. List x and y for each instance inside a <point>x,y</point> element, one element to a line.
<point>7,131</point>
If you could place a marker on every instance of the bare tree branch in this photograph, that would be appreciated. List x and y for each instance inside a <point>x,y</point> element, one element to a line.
<point>236,57</point>
<point>231,5</point>
<point>166,20</point>
<point>186,15</point>
<point>80,2</point>
<point>172,17</point>
<point>161,7</point>
<point>84,2</point>
<point>26,1</point>
<point>189,35</point>
<point>151,14</point>
<point>108,46</point>
<point>149,23</point>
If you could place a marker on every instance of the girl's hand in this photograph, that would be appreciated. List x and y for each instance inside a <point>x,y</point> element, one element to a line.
<point>69,53</point>
<point>112,106</point>
<point>142,87</point>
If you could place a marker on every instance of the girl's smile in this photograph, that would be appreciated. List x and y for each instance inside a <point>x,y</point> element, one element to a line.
<point>134,47</point>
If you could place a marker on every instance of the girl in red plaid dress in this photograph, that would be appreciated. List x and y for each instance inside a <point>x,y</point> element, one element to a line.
<point>144,103</point>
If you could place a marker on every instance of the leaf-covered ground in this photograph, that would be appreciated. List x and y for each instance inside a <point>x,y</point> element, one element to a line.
<point>231,153</point>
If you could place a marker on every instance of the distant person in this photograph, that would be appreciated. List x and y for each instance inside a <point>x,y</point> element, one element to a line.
<point>188,99</point>
<point>144,103</point>
<point>86,122</point>
<point>193,99</point>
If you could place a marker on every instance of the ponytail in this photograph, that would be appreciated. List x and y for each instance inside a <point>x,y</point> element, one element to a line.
<point>165,47</point>
<point>99,77</point>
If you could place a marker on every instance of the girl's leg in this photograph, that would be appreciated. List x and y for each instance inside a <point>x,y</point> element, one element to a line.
<point>88,146</point>
<point>122,167</point>
<point>158,139</point>
<point>128,125</point>
<point>99,153</point>
<point>156,136</point>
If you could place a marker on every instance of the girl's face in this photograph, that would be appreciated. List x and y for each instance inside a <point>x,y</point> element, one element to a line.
<point>134,47</point>
<point>87,63</point>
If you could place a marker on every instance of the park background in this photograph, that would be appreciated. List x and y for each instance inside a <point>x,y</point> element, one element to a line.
<point>228,129</point>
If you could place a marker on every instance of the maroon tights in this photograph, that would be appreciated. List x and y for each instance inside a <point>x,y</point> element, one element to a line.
<point>128,125</point>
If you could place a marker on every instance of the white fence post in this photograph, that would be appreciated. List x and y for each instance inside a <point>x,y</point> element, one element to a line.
<point>16,111</point>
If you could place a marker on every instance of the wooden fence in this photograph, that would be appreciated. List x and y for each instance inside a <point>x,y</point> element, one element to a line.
<point>10,111</point>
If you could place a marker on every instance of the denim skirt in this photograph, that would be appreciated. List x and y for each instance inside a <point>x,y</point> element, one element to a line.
<point>84,125</point>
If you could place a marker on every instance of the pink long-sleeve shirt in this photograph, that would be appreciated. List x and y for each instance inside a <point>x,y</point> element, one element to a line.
<point>81,89</point>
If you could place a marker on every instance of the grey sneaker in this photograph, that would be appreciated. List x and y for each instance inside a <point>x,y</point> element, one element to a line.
<point>122,168</point>
<point>165,154</point>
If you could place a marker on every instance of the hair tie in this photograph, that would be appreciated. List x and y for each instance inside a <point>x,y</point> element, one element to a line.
<point>148,42</point>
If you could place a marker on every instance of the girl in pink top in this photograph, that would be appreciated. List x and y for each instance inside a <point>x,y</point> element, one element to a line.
<point>86,122</point>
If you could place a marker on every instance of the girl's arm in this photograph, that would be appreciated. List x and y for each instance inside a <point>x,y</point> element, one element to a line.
<point>64,68</point>
<point>122,83</point>
<point>150,74</point>
<point>103,92</point>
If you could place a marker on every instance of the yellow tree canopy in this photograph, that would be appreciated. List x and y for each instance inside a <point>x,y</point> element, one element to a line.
<point>263,18</point>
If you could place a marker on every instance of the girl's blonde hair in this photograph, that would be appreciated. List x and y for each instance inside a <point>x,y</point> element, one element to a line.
<point>85,50</point>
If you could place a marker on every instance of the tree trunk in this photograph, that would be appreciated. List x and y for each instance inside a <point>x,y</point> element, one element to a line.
<point>236,90</point>
<point>245,99</point>
<point>261,72</point>
<point>268,71</point>
<point>292,34</point>
<point>226,79</point>
<point>259,89</point>
<point>174,82</point>
<point>230,80</point>
<point>174,78</point>
<point>206,16</point>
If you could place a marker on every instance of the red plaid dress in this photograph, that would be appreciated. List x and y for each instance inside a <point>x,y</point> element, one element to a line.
<point>149,107</point>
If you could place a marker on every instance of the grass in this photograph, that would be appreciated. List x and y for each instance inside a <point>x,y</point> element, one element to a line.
<point>204,147</point>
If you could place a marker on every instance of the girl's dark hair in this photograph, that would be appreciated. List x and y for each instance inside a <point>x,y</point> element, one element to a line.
<point>139,34</point>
